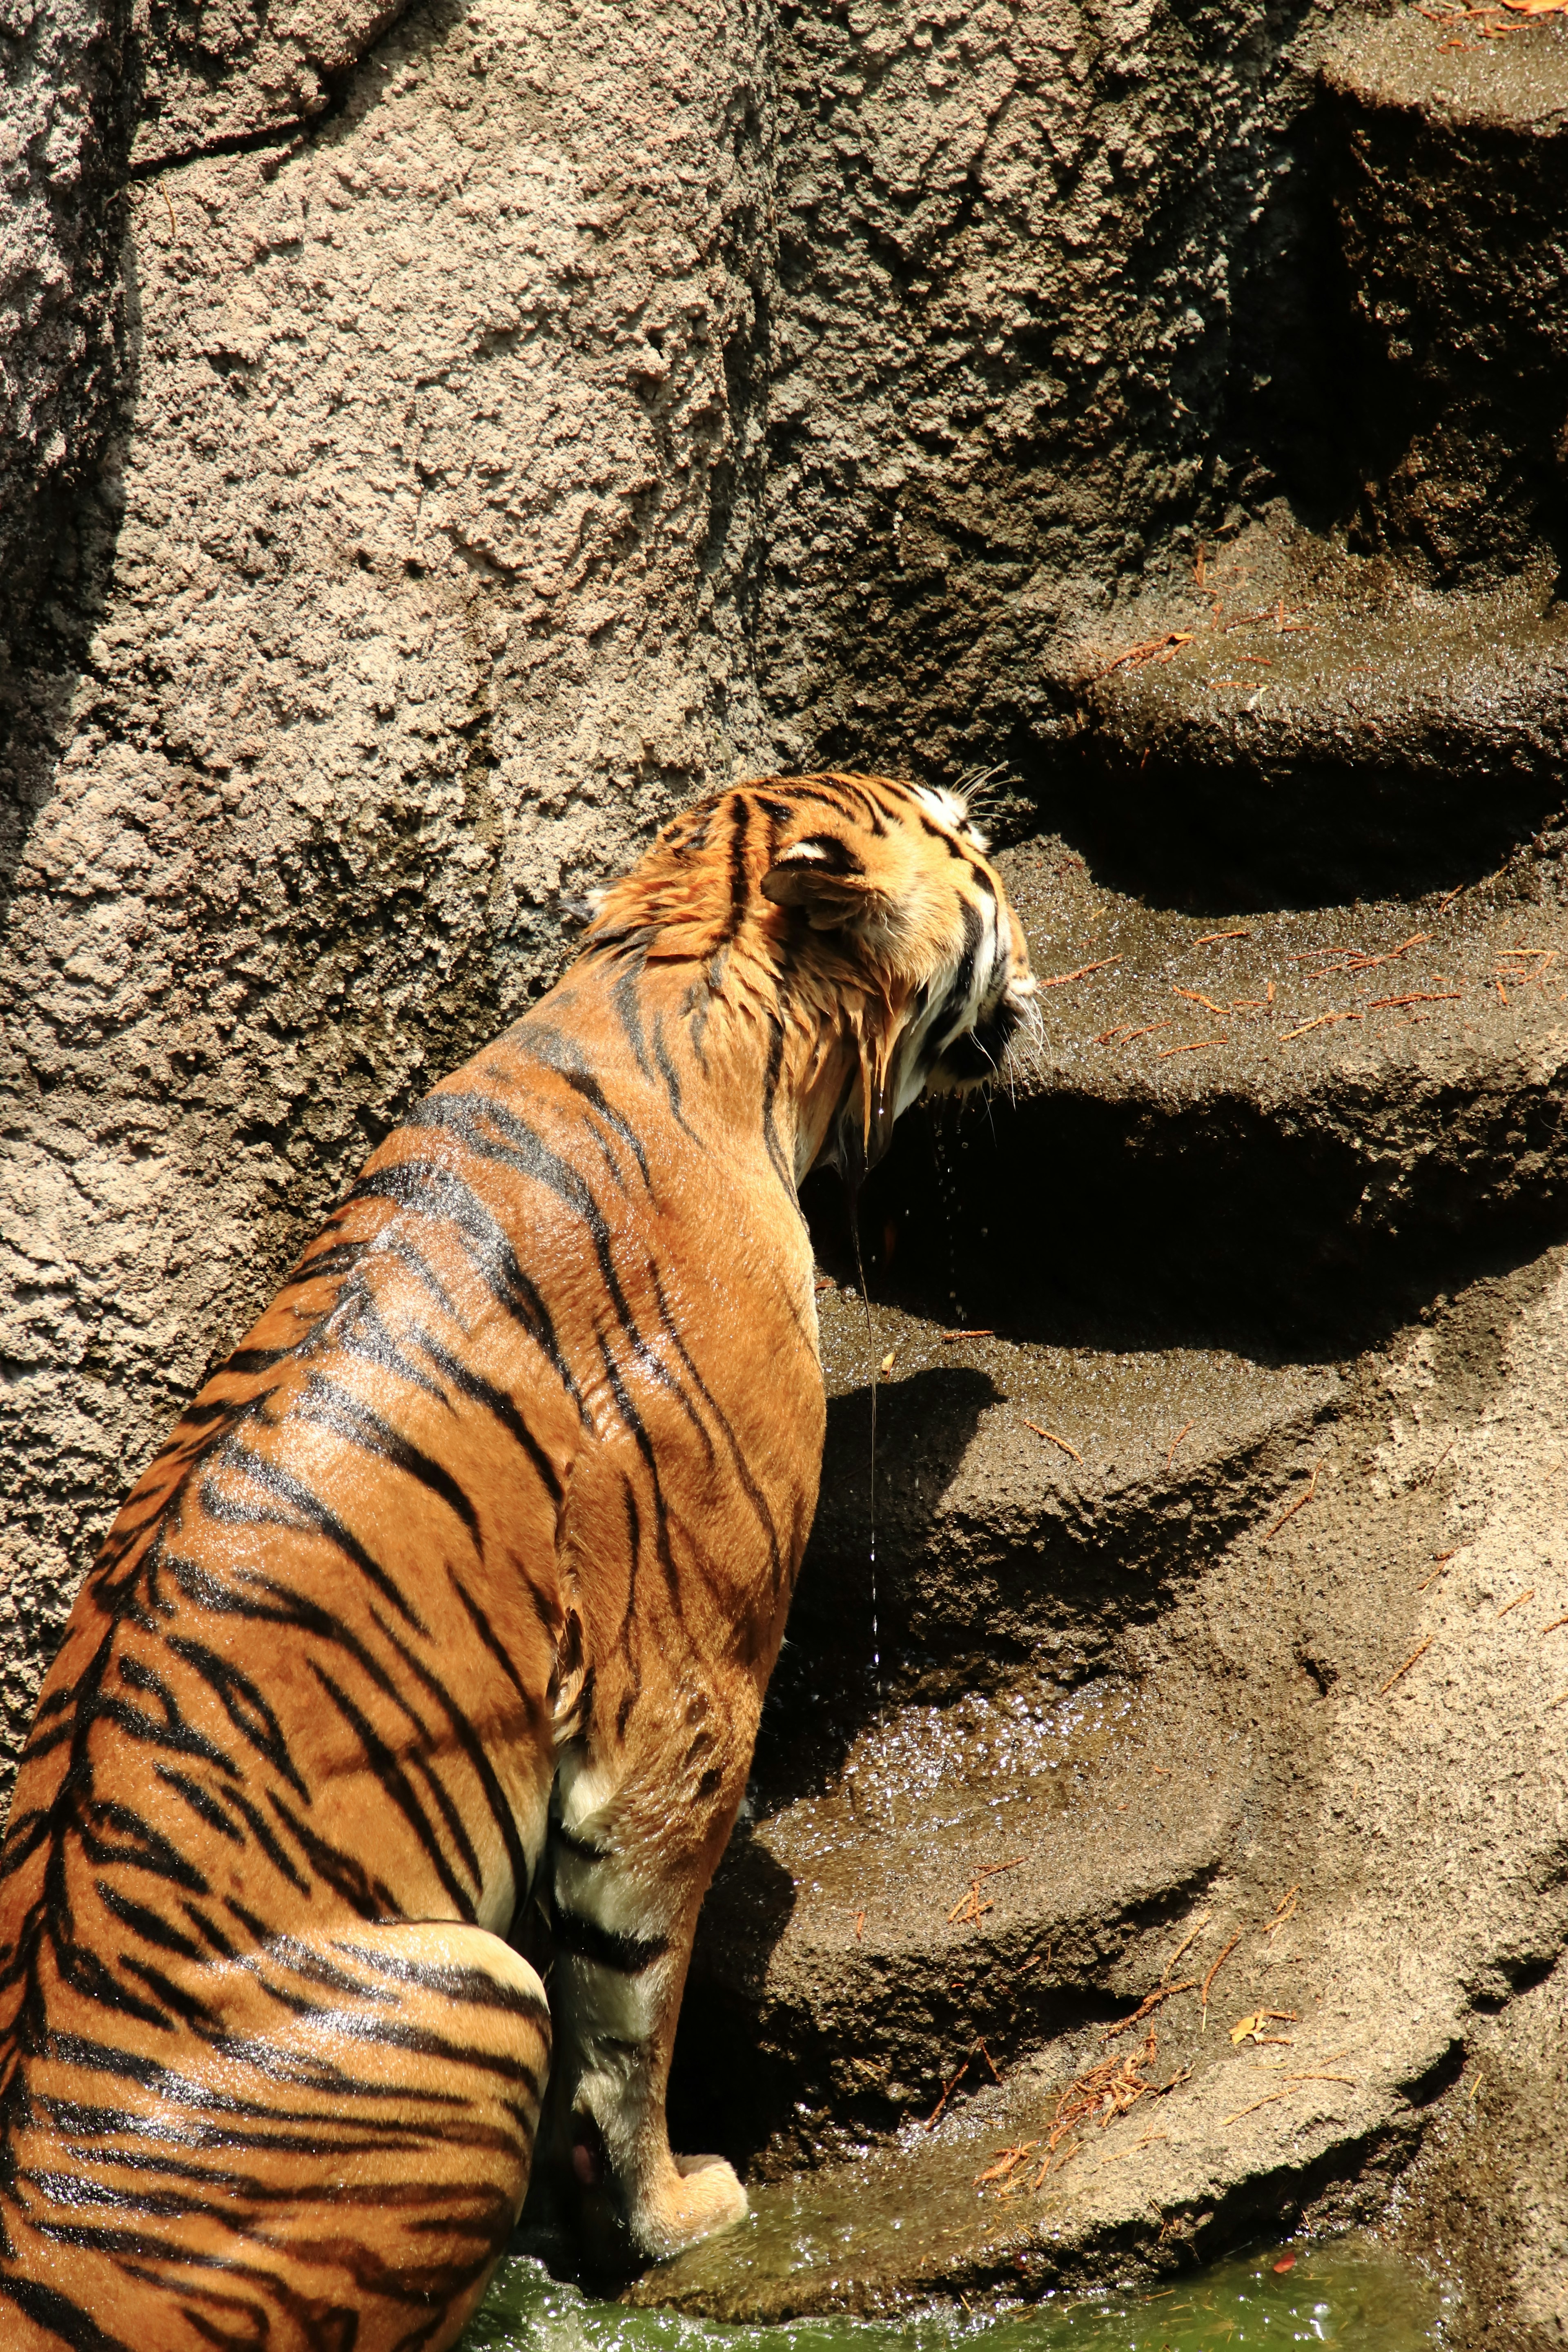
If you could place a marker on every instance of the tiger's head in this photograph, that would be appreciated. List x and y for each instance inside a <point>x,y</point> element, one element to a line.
<point>868,908</point>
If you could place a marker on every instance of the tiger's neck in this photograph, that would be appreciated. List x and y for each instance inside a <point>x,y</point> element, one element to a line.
<point>745,1055</point>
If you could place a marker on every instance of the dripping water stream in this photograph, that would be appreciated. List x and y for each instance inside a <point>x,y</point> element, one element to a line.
<point>875,1376</point>
<point>946,1195</point>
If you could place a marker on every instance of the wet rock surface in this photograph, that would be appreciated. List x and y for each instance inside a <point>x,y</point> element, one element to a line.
<point>503,422</point>
<point>1319,1783</point>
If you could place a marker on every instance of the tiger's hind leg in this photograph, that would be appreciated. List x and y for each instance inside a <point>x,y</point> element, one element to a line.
<point>635,1831</point>
<point>334,2158</point>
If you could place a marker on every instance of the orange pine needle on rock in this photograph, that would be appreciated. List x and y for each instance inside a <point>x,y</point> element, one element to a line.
<point>948,2090</point>
<point>1210,937</point>
<point>1126,1035</point>
<point>1176,1441</point>
<point>1416,996</point>
<point>1518,1602</point>
<point>1151,649</point>
<point>1405,1669</point>
<point>1007,2160</point>
<point>1053,1437</point>
<point>1150,2002</point>
<point>1322,1022</point>
<point>1204,1990</point>
<point>1082,973</point>
<point>1298,1505</point>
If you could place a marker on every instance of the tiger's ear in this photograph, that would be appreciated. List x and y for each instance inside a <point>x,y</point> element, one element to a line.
<point>825,880</point>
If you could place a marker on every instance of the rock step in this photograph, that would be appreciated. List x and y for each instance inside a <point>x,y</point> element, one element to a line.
<point>1251,1129</point>
<point>1331,1767</point>
<point>1001,1552</point>
<point>1452,151</point>
<point>1311,725</point>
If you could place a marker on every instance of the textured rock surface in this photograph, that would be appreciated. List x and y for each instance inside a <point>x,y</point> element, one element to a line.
<point>1053,215</point>
<point>229,70</point>
<point>65,122</point>
<point>1253,1756</point>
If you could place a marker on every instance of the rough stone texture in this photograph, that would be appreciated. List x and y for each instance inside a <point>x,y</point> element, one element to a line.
<point>225,71</point>
<point>526,415</point>
<point>1449,204</point>
<point>65,121</point>
<point>1489,2194</point>
<point>1253,1755</point>
<point>1053,216</point>
<point>422,575</point>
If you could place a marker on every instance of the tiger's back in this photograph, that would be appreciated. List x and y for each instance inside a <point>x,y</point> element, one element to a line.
<point>469,1565</point>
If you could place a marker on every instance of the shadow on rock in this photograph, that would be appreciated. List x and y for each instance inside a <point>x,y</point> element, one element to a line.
<point>852,1617</point>
<point>721,2082</point>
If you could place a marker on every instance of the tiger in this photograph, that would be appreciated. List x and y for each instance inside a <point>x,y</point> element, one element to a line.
<point>450,1605</point>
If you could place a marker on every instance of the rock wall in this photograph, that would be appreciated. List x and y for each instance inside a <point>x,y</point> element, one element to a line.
<point>1013,246</point>
<point>67,111</point>
<point>481,485</point>
<point>413,594</point>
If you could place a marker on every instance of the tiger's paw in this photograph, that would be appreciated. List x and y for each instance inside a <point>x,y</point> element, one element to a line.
<point>697,2196</point>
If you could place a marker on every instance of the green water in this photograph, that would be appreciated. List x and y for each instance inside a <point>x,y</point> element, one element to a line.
<point>1347,2294</point>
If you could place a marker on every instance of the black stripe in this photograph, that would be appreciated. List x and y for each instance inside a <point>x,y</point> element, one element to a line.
<point>957,997</point>
<point>432,1190</point>
<point>332,1407</point>
<point>858,788</point>
<point>312,1518</point>
<point>583,1848</point>
<point>481,1624</point>
<point>740,876</point>
<point>145,1848</point>
<point>644,1444</point>
<point>389,1771</point>
<point>770,1096</point>
<point>261,1830</point>
<point>753,1491</point>
<point>627,1955</point>
<point>363,1332</point>
<point>563,1057</point>
<point>150,1925</point>
<point>474,1986</point>
<point>244,1704</point>
<point>634,1558</point>
<point>58,2315</point>
<point>515,1145</point>
<point>666,1071</point>
<point>371,1897</point>
<point>484,1771</point>
<point>205,1808</point>
<point>628,1011</point>
<point>495,1400</point>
